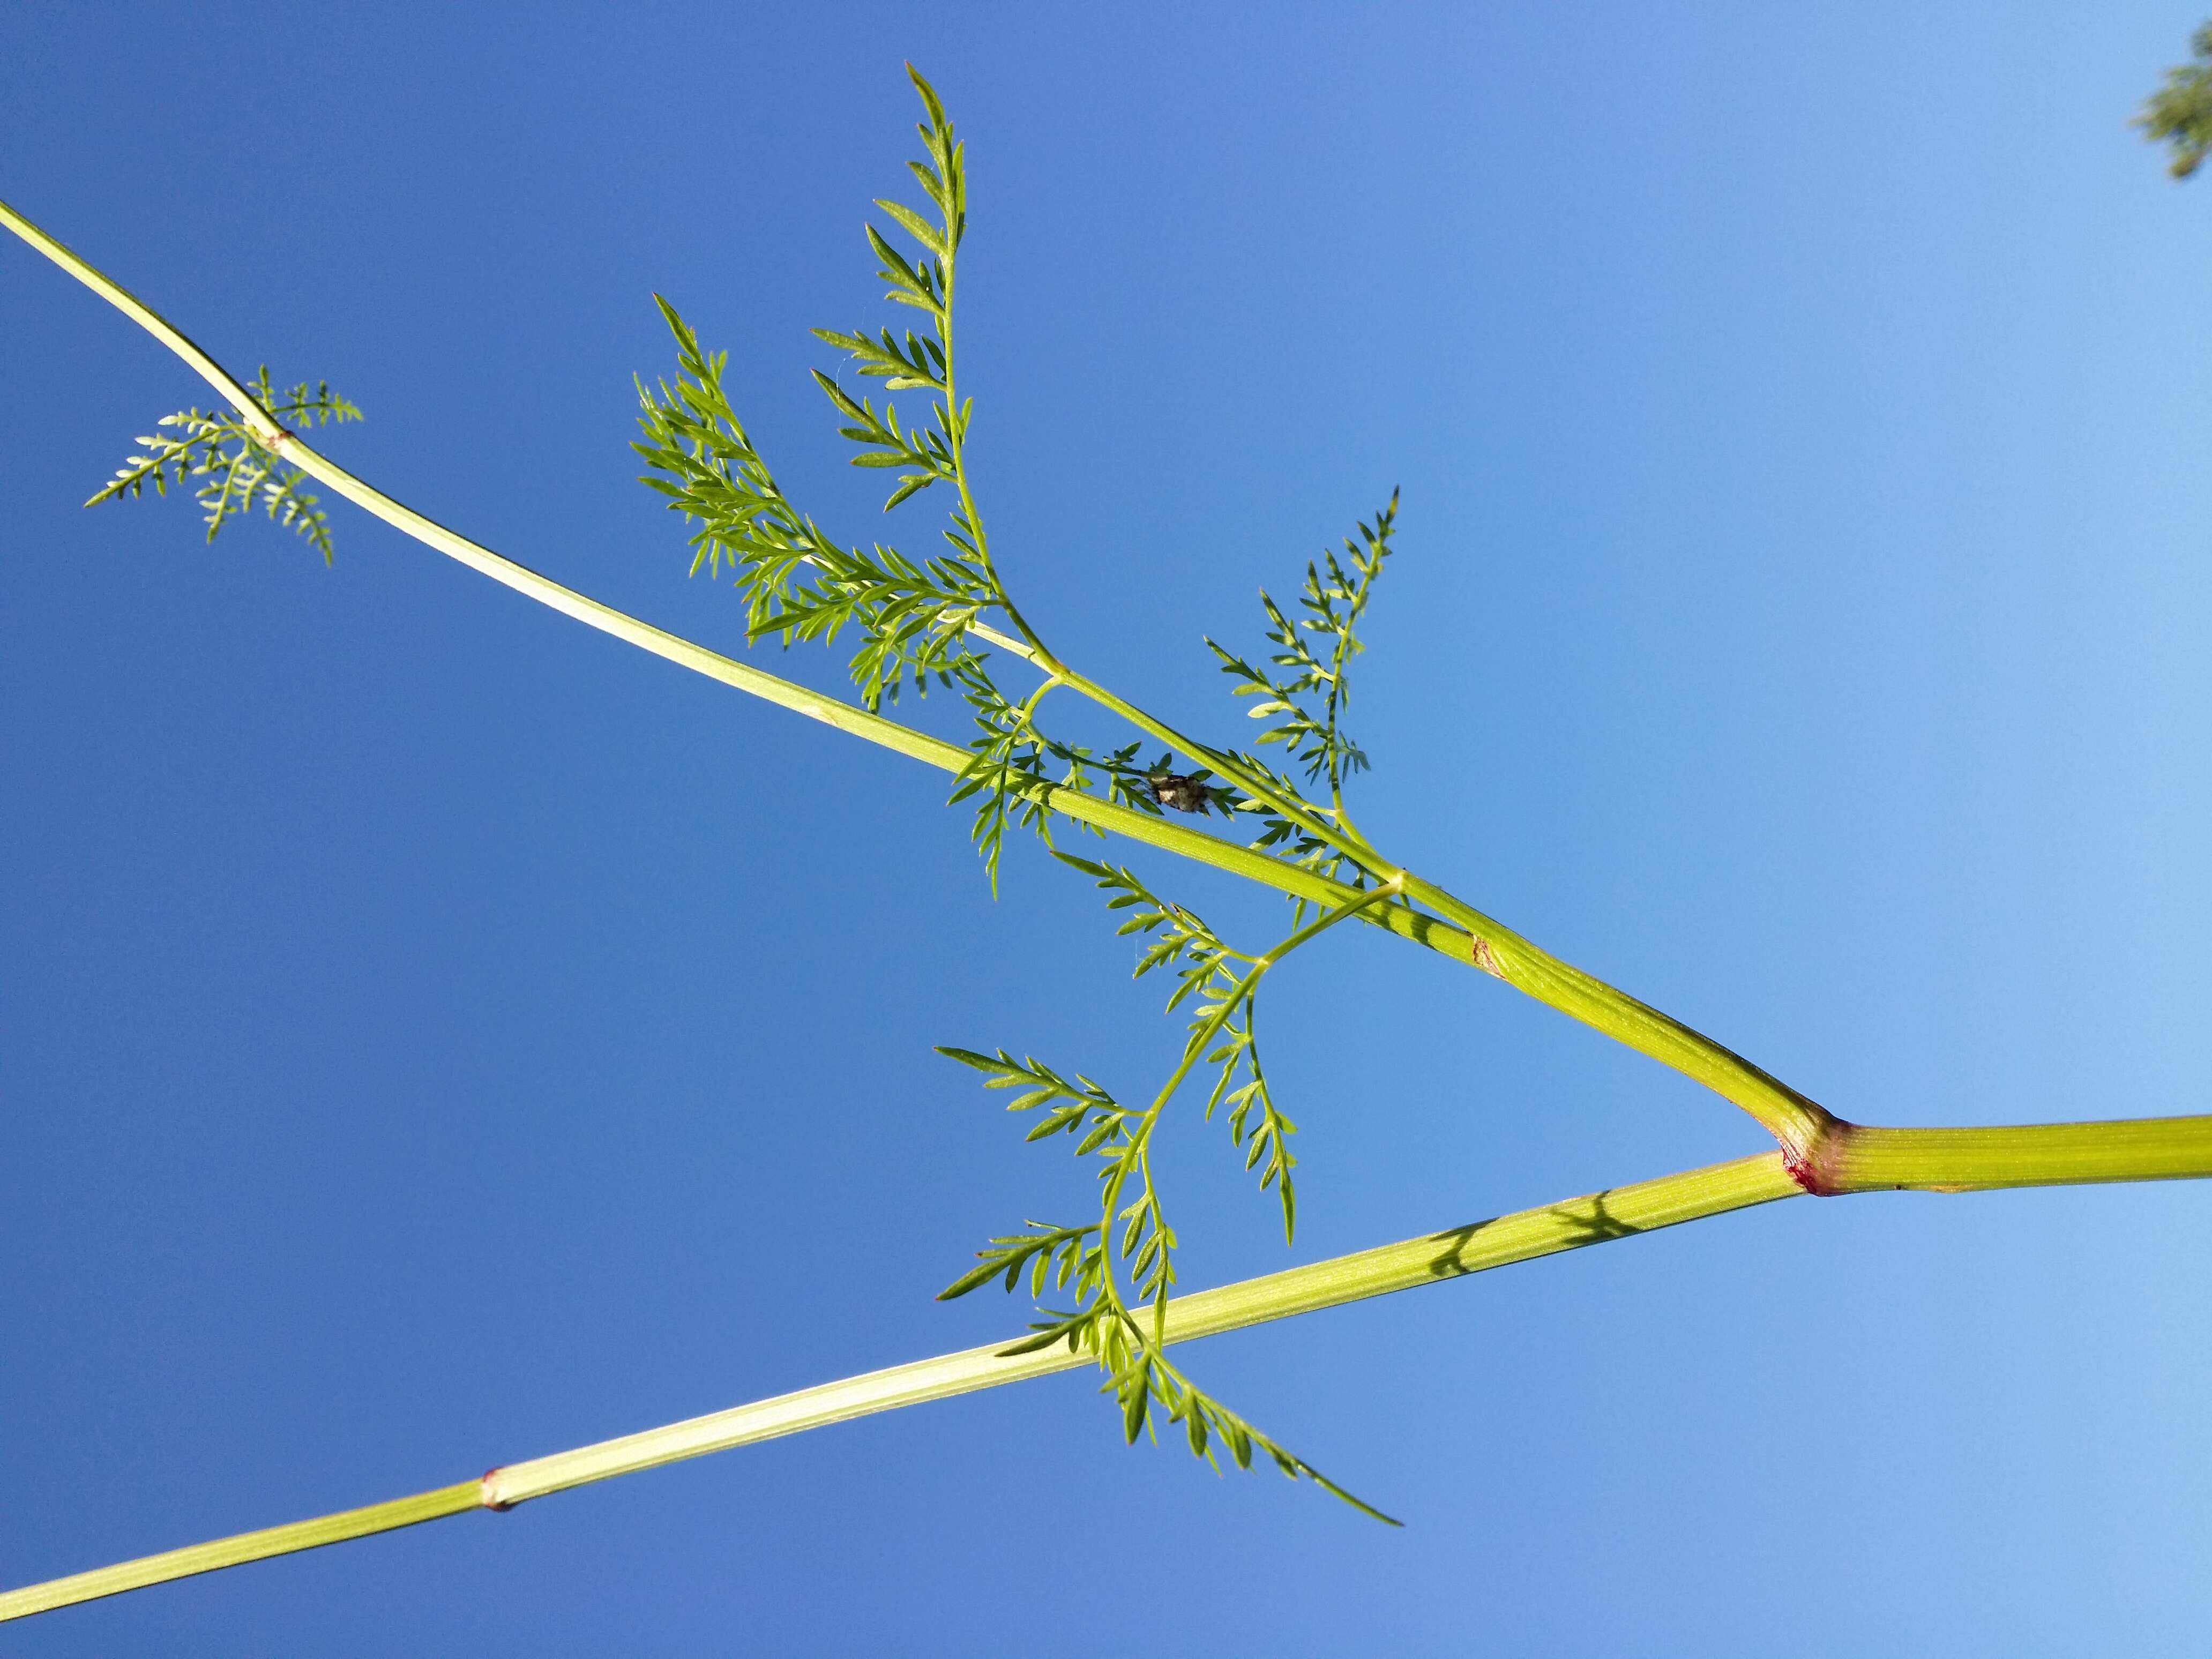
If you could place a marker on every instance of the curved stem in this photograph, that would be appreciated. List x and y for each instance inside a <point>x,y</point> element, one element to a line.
<point>1201,1038</point>
<point>1251,984</point>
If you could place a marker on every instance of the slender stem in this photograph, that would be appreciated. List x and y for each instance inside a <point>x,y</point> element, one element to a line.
<point>784,694</point>
<point>956,429</point>
<point>1801,1126</point>
<point>1356,608</point>
<point>1029,704</point>
<point>1251,783</point>
<point>1034,647</point>
<point>1936,1160</point>
<point>244,1547</point>
<point>1305,935</point>
<point>1430,1260</point>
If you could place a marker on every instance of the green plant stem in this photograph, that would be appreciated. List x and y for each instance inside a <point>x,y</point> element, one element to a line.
<point>857,722</point>
<point>244,1547</point>
<point>1935,1160</point>
<point>1799,1123</point>
<point>957,427</point>
<point>1226,765</point>
<point>1426,1261</point>
<point>1861,1158</point>
<point>1801,1126</point>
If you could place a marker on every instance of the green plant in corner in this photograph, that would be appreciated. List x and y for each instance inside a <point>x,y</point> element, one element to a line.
<point>950,618</point>
<point>2179,113</point>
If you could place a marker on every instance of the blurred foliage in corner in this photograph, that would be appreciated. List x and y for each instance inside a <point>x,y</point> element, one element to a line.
<point>2180,112</point>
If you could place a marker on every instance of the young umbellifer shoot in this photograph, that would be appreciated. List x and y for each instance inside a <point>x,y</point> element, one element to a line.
<point>1104,1280</point>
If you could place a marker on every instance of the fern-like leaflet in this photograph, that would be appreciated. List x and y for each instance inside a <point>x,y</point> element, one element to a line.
<point>1334,597</point>
<point>235,468</point>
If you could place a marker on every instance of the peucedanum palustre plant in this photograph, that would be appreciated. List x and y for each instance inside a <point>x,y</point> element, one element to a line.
<point>1105,1282</point>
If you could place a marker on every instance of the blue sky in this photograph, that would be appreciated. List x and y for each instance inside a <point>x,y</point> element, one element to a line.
<point>432,1035</point>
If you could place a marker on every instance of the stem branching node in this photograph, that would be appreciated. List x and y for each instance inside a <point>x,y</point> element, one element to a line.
<point>1816,1164</point>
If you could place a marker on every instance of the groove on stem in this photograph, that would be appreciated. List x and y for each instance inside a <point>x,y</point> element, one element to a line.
<point>1861,1158</point>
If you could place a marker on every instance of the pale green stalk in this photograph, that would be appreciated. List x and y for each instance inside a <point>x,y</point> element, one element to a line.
<point>242,1547</point>
<point>1938,1160</point>
<point>1862,1158</point>
<point>1426,1260</point>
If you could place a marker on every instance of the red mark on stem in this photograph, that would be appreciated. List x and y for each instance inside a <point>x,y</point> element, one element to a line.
<point>1803,1171</point>
<point>1813,1168</point>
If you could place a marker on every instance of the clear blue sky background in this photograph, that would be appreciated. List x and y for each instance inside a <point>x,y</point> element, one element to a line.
<point>432,1035</point>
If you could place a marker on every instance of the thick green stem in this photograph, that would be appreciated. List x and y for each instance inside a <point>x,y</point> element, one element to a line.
<point>1858,1157</point>
<point>1799,1123</point>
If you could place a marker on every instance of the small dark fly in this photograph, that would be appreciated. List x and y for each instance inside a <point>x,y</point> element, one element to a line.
<point>1184,791</point>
